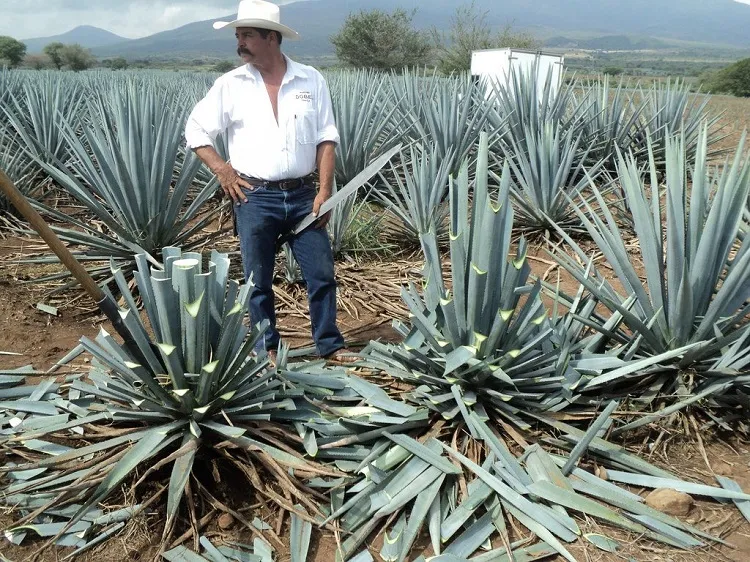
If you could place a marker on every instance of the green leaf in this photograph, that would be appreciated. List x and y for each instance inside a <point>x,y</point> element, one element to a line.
<point>147,446</point>
<point>424,453</point>
<point>300,532</point>
<point>601,542</point>
<point>678,485</point>
<point>182,554</point>
<point>179,476</point>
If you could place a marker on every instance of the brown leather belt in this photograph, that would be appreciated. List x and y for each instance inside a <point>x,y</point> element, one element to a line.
<point>283,185</point>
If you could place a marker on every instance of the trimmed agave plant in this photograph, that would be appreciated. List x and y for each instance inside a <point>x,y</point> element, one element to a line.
<point>186,388</point>
<point>126,166</point>
<point>483,356</point>
<point>184,393</point>
<point>694,299</point>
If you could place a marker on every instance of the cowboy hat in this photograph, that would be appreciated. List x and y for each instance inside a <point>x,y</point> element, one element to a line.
<point>260,14</point>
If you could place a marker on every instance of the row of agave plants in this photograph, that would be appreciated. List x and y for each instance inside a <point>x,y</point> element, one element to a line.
<point>475,450</point>
<point>60,118</point>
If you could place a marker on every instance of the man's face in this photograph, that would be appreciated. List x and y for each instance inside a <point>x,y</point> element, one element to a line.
<point>250,44</point>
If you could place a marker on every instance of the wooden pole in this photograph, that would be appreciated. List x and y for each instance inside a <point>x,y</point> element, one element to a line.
<point>102,300</point>
<point>18,200</point>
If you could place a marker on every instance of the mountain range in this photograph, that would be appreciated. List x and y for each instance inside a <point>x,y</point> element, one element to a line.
<point>85,35</point>
<point>721,22</point>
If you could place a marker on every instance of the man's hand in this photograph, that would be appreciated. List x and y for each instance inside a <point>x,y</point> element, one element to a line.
<point>321,198</point>
<point>232,184</point>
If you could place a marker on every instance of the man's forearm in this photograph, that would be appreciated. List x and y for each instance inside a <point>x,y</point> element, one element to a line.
<point>212,159</point>
<point>326,160</point>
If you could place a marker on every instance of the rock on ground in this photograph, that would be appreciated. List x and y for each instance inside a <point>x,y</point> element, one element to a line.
<point>670,502</point>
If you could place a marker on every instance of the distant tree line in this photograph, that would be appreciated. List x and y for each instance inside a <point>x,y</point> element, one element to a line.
<point>54,55</point>
<point>387,41</point>
<point>734,80</point>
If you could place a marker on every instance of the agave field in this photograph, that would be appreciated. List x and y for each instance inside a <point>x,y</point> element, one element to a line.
<point>499,412</point>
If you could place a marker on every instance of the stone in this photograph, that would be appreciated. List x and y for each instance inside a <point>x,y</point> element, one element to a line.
<point>601,472</point>
<point>670,502</point>
<point>226,521</point>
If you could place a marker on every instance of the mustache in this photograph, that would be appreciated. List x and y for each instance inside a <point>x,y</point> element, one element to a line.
<point>242,51</point>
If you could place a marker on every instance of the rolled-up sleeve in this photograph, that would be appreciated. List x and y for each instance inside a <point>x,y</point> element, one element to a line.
<point>208,118</point>
<point>327,130</point>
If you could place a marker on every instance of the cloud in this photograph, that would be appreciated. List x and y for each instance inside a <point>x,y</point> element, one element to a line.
<point>130,18</point>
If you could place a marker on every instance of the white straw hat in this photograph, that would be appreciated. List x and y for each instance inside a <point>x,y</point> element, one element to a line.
<point>260,14</point>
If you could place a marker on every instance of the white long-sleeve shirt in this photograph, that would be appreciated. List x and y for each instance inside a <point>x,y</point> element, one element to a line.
<point>238,103</point>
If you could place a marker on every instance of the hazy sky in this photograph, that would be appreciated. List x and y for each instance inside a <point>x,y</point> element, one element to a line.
<point>24,19</point>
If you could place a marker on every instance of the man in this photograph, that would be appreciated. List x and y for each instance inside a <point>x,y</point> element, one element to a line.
<point>279,123</point>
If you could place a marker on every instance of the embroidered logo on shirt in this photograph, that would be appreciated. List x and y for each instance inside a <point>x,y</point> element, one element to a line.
<point>304,96</point>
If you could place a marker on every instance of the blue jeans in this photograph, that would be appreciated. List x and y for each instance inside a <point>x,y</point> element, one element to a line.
<point>268,214</point>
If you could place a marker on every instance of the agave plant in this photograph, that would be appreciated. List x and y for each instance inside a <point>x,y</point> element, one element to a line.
<point>352,227</point>
<point>40,113</point>
<point>15,163</point>
<point>482,356</point>
<point>697,271</point>
<point>614,120</point>
<point>452,115</point>
<point>10,84</point>
<point>525,101</point>
<point>127,168</point>
<point>292,272</point>
<point>187,392</point>
<point>410,88</point>
<point>671,110</point>
<point>548,167</point>
<point>196,367</point>
<point>366,118</point>
<point>474,341</point>
<point>415,192</point>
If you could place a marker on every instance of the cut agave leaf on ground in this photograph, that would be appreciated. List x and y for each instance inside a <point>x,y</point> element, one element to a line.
<point>211,552</point>
<point>183,554</point>
<point>538,551</point>
<point>105,535</point>
<point>424,453</point>
<point>679,485</point>
<point>363,556</point>
<point>742,505</point>
<point>602,543</point>
<point>579,450</point>
<point>393,540</point>
<point>299,535</point>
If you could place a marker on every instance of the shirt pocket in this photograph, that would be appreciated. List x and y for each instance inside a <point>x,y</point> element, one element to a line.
<point>305,127</point>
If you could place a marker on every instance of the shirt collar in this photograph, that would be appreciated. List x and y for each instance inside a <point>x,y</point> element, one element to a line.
<point>292,69</point>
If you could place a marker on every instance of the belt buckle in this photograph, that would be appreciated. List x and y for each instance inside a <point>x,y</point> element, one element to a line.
<point>286,185</point>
